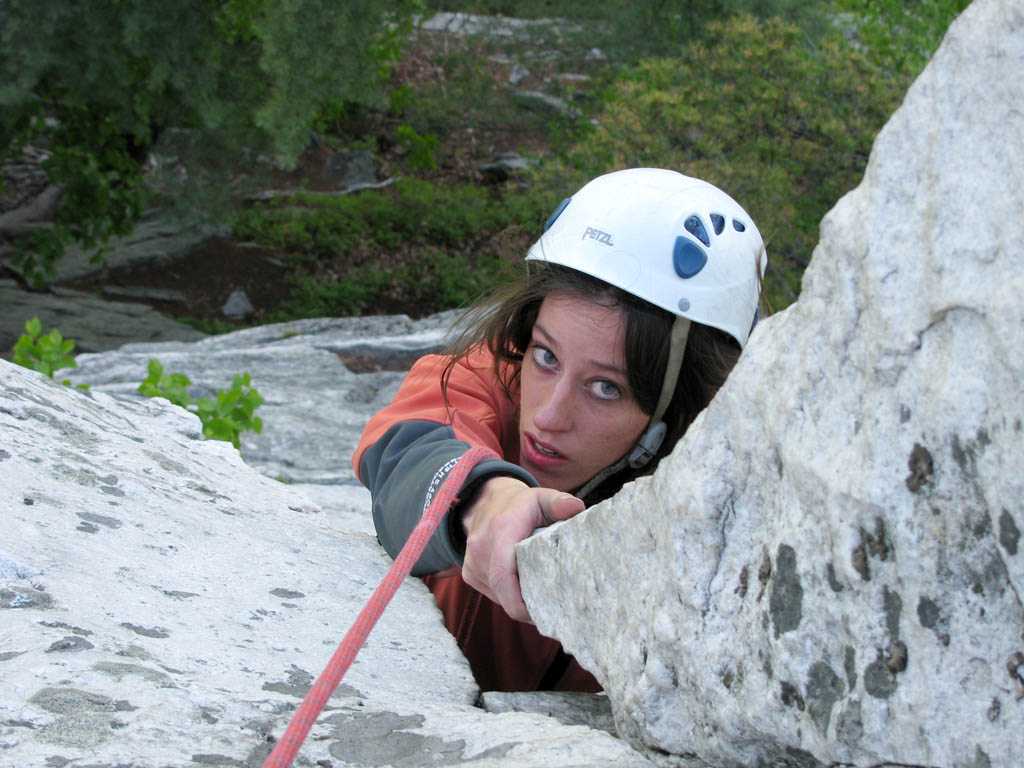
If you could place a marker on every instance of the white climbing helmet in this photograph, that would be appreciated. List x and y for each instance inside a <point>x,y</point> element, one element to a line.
<point>675,241</point>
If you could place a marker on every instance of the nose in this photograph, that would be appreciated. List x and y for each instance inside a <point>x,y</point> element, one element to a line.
<point>556,411</point>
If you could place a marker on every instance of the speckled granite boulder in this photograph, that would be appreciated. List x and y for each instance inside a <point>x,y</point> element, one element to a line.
<point>829,570</point>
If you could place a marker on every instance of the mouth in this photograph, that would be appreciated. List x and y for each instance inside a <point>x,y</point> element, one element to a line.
<point>540,453</point>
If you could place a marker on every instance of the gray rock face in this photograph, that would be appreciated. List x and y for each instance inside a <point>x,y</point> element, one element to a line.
<point>828,569</point>
<point>163,603</point>
<point>95,325</point>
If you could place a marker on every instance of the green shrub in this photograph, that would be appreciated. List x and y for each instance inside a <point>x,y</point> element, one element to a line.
<point>224,417</point>
<point>46,354</point>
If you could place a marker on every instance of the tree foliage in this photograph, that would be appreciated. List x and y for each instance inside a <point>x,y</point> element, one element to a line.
<point>101,84</point>
<point>901,35</point>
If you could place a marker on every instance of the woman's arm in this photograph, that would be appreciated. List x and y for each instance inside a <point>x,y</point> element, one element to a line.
<point>405,444</point>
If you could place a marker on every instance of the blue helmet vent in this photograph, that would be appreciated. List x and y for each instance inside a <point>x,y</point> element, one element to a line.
<point>687,257</point>
<point>556,214</point>
<point>739,226</point>
<point>695,227</point>
<point>718,222</point>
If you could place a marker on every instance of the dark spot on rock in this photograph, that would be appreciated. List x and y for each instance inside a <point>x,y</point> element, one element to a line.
<point>878,544</point>
<point>981,527</point>
<point>157,632</point>
<point>206,491</point>
<point>71,701</point>
<point>290,594</point>
<point>8,655</point>
<point>109,522</point>
<point>384,738</point>
<point>977,589</point>
<point>904,414</point>
<point>70,644</point>
<point>111,490</point>
<point>764,573</point>
<point>824,689</point>
<point>859,561</point>
<point>893,610</point>
<point>880,676</point>
<point>849,725</point>
<point>726,678</point>
<point>786,601</point>
<point>177,595</point>
<point>69,627</point>
<point>120,670</point>
<point>944,638</point>
<point>833,582</point>
<point>850,666</point>
<point>981,760</point>
<point>741,588</point>
<point>791,696</point>
<point>1015,667</point>
<point>28,501</point>
<point>927,613</point>
<point>4,455</point>
<point>24,597</point>
<point>993,710</point>
<point>1009,533</point>
<point>878,680</point>
<point>207,716</point>
<point>87,528</point>
<point>778,463</point>
<point>297,684</point>
<point>211,758</point>
<point>896,657</point>
<point>921,467</point>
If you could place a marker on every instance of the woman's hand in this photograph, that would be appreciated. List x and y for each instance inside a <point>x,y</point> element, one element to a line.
<point>506,512</point>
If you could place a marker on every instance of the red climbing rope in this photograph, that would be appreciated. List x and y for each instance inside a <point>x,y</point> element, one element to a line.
<point>451,477</point>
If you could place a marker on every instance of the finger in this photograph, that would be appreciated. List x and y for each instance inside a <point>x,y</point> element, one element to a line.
<point>510,597</point>
<point>558,505</point>
<point>504,580</point>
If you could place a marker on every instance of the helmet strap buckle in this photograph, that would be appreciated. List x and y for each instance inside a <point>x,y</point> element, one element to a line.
<point>648,444</point>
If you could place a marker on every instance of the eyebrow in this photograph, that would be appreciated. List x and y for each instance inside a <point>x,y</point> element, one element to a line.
<point>552,341</point>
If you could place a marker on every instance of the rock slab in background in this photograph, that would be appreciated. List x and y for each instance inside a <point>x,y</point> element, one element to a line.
<point>95,325</point>
<point>829,568</point>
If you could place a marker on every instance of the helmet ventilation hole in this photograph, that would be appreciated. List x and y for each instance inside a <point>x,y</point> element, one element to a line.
<point>695,227</point>
<point>687,257</point>
<point>718,222</point>
<point>739,226</point>
<point>557,212</point>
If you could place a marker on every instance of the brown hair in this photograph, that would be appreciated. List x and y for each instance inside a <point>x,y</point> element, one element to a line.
<point>503,323</point>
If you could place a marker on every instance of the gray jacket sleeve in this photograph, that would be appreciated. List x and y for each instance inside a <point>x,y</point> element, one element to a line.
<point>398,470</point>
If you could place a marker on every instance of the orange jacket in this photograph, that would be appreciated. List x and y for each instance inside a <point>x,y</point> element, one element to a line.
<point>401,448</point>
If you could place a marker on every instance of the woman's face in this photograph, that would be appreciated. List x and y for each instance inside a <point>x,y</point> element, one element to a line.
<point>577,413</point>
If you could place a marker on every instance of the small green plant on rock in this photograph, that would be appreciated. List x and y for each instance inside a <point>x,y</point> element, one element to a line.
<point>46,354</point>
<point>224,417</point>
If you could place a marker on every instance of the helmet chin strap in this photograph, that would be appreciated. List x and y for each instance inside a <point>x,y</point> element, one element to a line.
<point>650,441</point>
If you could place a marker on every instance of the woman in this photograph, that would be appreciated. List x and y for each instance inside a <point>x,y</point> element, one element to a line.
<point>581,377</point>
